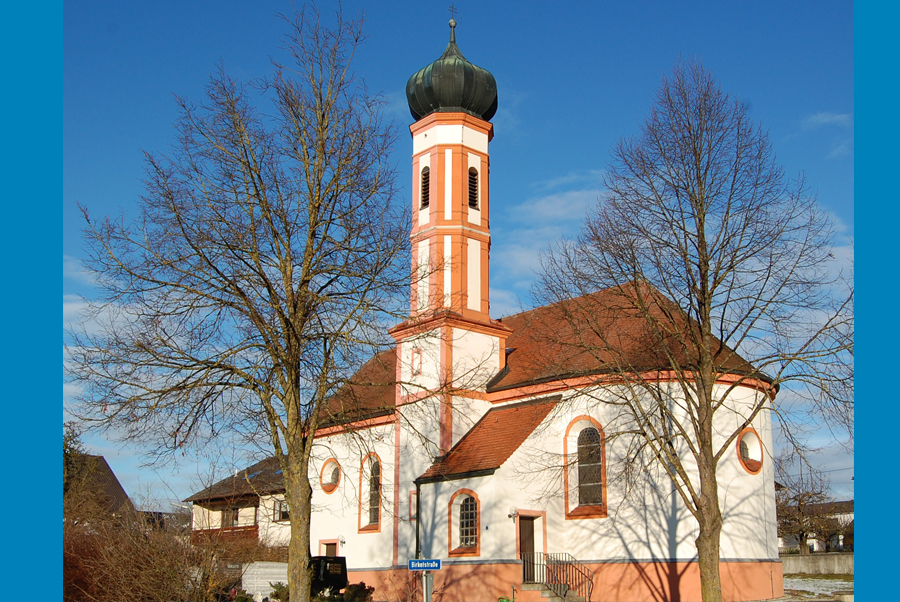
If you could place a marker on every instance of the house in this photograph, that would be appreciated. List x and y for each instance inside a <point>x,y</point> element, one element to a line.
<point>831,525</point>
<point>492,444</point>
<point>92,473</point>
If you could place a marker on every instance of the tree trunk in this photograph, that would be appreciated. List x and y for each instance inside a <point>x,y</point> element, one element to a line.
<point>804,543</point>
<point>708,548</point>
<point>709,513</point>
<point>299,496</point>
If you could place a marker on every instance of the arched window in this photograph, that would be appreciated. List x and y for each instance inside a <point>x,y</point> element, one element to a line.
<point>426,187</point>
<point>473,188</point>
<point>468,529</point>
<point>464,524</point>
<point>370,494</point>
<point>374,492</point>
<point>585,471</point>
<point>590,468</point>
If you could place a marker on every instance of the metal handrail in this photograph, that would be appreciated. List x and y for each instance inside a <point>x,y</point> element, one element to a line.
<point>559,572</point>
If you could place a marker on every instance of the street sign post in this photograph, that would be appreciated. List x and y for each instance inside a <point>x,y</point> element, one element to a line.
<point>422,564</point>
<point>426,566</point>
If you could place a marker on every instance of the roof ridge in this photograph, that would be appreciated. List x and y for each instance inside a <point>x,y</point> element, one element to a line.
<point>570,299</point>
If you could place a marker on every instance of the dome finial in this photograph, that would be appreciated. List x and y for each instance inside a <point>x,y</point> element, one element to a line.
<point>452,10</point>
<point>452,84</point>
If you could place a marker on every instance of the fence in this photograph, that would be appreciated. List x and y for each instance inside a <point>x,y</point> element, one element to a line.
<point>559,572</point>
<point>820,563</point>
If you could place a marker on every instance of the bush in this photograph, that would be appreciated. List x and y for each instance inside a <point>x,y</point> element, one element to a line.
<point>358,592</point>
<point>280,591</point>
<point>355,592</point>
<point>242,596</point>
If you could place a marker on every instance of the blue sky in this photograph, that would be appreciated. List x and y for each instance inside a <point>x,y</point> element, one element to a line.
<point>572,77</point>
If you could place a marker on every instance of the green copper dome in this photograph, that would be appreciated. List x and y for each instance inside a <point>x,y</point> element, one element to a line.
<point>452,84</point>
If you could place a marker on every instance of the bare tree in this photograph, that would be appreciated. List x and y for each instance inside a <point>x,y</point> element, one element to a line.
<point>800,503</point>
<point>267,251</point>
<point>717,273</point>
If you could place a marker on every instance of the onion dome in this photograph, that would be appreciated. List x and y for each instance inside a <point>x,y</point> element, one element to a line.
<point>452,84</point>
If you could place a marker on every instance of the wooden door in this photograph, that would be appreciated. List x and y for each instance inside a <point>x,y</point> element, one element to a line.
<point>526,548</point>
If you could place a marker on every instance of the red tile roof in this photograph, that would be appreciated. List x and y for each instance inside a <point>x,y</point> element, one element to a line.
<point>369,393</point>
<point>603,332</point>
<point>492,440</point>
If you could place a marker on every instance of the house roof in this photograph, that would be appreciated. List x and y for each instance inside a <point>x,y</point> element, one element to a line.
<point>262,478</point>
<point>613,330</point>
<point>491,441</point>
<point>102,479</point>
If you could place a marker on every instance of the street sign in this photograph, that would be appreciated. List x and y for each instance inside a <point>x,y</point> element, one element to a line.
<point>425,565</point>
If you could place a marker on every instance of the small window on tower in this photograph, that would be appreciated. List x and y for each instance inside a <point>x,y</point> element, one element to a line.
<point>416,362</point>
<point>473,188</point>
<point>426,186</point>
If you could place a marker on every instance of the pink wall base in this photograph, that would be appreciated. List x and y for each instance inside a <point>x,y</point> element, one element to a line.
<point>613,582</point>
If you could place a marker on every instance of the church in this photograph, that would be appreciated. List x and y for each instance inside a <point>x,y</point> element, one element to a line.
<point>489,443</point>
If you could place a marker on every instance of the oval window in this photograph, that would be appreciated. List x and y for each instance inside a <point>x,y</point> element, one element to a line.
<point>331,475</point>
<point>750,452</point>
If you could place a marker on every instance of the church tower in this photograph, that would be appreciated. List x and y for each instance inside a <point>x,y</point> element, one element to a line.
<point>452,101</point>
<point>450,341</point>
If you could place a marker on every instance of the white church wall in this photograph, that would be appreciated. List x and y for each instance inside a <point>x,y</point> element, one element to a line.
<point>437,536</point>
<point>747,500</point>
<point>642,521</point>
<point>466,412</point>
<point>336,515</point>
<point>646,518</point>
<point>420,361</point>
<point>476,359</point>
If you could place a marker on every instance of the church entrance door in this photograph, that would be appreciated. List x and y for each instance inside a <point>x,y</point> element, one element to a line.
<point>526,548</point>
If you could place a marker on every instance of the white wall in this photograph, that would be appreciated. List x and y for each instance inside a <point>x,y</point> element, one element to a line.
<point>203,518</point>
<point>337,514</point>
<point>645,520</point>
<point>476,359</point>
<point>427,346</point>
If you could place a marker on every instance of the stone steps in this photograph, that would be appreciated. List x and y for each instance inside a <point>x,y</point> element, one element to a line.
<point>571,595</point>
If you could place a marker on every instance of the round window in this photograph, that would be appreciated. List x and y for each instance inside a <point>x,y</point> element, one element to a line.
<point>750,452</point>
<point>331,475</point>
